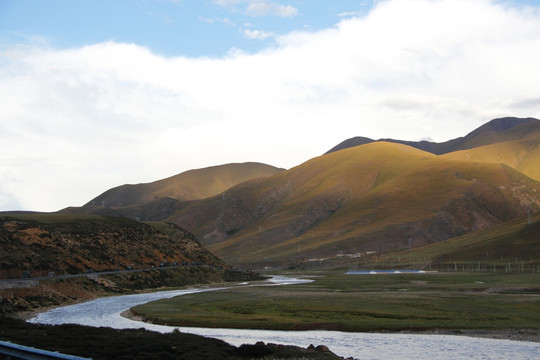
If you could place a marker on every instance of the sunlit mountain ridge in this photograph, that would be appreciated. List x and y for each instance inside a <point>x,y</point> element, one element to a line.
<point>375,197</point>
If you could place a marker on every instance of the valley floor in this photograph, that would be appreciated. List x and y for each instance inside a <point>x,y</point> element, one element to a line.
<point>532,335</point>
<point>502,306</point>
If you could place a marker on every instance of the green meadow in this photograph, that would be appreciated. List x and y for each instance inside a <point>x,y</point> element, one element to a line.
<point>336,301</point>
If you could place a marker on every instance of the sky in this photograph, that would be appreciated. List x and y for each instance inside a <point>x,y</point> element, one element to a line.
<point>97,93</point>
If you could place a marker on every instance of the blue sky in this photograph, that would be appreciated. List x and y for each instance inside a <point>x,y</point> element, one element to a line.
<point>96,94</point>
<point>166,26</point>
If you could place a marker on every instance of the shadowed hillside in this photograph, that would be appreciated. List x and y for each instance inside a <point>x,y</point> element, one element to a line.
<point>373,197</point>
<point>512,246</point>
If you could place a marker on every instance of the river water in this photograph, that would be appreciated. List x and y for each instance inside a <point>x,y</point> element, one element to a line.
<point>106,312</point>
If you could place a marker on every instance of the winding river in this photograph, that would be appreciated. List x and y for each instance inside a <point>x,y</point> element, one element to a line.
<point>107,312</point>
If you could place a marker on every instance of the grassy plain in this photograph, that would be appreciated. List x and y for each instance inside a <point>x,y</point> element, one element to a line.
<point>336,301</point>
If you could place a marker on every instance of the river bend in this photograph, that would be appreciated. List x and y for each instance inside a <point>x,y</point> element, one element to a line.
<point>106,312</point>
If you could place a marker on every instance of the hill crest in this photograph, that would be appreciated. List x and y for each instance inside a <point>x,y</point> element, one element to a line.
<point>496,130</point>
<point>189,185</point>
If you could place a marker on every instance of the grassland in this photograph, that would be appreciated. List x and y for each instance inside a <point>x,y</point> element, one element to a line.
<point>336,301</point>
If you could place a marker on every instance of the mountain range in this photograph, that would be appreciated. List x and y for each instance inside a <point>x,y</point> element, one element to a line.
<point>495,131</point>
<point>361,196</point>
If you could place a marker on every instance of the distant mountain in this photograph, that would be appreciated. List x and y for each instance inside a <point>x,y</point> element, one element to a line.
<point>189,185</point>
<point>497,130</point>
<point>154,201</point>
<point>375,197</point>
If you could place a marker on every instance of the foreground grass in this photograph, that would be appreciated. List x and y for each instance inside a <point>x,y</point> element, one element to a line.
<point>364,303</point>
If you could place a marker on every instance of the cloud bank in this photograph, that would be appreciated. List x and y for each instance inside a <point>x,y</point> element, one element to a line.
<point>76,122</point>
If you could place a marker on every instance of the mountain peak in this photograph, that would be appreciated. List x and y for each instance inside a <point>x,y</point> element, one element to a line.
<point>352,142</point>
<point>502,124</point>
<point>500,129</point>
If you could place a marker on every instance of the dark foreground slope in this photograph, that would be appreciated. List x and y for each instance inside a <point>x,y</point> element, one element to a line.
<point>106,343</point>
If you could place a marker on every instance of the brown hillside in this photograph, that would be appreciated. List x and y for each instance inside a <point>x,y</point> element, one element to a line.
<point>189,185</point>
<point>69,244</point>
<point>522,154</point>
<point>373,197</point>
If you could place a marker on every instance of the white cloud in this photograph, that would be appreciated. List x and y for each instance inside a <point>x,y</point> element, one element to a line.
<point>532,104</point>
<point>228,2</point>
<point>259,7</point>
<point>206,20</point>
<point>74,123</point>
<point>264,8</point>
<point>258,34</point>
<point>225,21</point>
<point>349,14</point>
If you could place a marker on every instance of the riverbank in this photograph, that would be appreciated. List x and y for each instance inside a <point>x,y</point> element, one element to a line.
<point>496,306</point>
<point>92,313</point>
<point>105,312</point>
<point>532,335</point>
<point>51,293</point>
